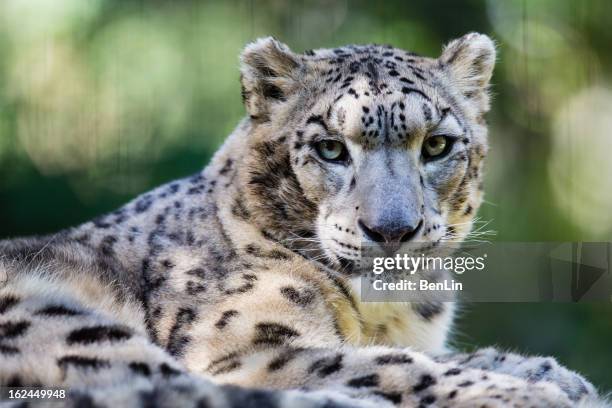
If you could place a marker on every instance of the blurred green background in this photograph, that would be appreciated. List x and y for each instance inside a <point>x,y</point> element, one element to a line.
<point>101,100</point>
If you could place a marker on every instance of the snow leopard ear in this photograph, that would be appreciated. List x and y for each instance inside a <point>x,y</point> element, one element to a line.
<point>269,73</point>
<point>469,62</point>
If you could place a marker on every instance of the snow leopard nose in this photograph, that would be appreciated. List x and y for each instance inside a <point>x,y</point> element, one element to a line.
<point>390,233</point>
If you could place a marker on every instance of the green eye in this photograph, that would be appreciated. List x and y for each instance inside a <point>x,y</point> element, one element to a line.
<point>331,150</point>
<point>436,147</point>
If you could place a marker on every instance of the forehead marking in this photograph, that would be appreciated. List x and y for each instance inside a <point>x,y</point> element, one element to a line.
<point>352,65</point>
<point>406,90</point>
<point>448,112</point>
<point>318,119</point>
<point>426,112</point>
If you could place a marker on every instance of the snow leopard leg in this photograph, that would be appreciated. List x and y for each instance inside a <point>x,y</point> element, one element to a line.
<point>401,377</point>
<point>48,338</point>
<point>531,368</point>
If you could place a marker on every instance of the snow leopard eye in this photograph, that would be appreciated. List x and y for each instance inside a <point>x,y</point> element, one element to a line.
<point>332,150</point>
<point>436,147</point>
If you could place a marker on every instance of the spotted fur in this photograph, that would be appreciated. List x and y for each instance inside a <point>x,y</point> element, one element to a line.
<point>233,287</point>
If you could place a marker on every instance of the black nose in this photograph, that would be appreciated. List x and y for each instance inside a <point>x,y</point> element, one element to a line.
<point>390,233</point>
